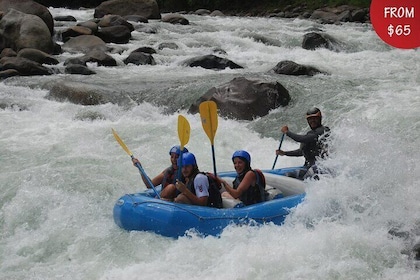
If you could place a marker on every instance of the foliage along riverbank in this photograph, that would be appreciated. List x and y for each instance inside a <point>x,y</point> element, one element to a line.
<point>229,7</point>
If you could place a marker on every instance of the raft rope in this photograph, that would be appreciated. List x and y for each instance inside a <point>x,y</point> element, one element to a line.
<point>135,204</point>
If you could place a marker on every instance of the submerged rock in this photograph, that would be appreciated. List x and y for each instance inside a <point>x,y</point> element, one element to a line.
<point>211,62</point>
<point>287,67</point>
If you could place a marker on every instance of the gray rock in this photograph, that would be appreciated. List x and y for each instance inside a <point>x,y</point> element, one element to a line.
<point>145,8</point>
<point>118,34</point>
<point>84,43</point>
<point>139,58</point>
<point>75,93</point>
<point>211,62</point>
<point>89,24</point>
<point>287,67</point>
<point>114,20</point>
<point>100,57</point>
<point>175,18</point>
<point>314,40</point>
<point>37,56</point>
<point>30,7</point>
<point>65,18</point>
<point>136,18</point>
<point>78,69</point>
<point>75,31</point>
<point>168,45</point>
<point>24,66</point>
<point>245,99</point>
<point>20,30</point>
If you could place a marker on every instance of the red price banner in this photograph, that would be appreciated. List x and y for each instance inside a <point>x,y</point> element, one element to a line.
<point>397,22</point>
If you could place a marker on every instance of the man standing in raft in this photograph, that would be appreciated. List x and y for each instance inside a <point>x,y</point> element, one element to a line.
<point>313,144</point>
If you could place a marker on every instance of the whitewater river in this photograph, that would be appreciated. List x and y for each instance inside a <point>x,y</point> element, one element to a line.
<point>61,170</point>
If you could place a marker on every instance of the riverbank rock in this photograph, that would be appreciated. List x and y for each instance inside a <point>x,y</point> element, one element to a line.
<point>287,67</point>
<point>19,30</point>
<point>245,99</point>
<point>30,7</point>
<point>146,8</point>
<point>211,62</point>
<point>344,13</point>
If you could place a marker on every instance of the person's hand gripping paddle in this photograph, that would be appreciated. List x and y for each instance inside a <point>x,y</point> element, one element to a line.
<point>138,165</point>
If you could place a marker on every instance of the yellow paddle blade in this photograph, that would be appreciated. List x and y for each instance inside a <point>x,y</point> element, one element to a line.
<point>119,140</point>
<point>208,113</point>
<point>183,131</point>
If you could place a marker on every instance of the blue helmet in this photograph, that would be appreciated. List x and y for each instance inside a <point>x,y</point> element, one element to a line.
<point>242,154</point>
<point>177,150</point>
<point>188,159</point>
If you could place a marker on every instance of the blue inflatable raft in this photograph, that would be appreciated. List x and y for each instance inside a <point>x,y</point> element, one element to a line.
<point>143,212</point>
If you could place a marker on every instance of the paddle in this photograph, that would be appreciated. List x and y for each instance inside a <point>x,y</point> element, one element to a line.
<point>184,137</point>
<point>142,172</point>
<point>281,142</point>
<point>208,113</point>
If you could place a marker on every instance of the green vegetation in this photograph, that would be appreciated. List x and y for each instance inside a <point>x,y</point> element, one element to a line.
<point>222,5</point>
<point>252,5</point>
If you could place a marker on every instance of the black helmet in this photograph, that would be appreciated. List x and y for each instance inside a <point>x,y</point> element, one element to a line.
<point>313,112</point>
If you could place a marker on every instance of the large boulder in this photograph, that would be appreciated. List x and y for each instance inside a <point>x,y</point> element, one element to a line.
<point>19,30</point>
<point>245,99</point>
<point>29,7</point>
<point>146,8</point>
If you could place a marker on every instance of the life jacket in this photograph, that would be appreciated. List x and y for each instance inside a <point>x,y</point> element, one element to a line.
<point>255,193</point>
<point>214,199</point>
<point>169,177</point>
<point>318,148</point>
